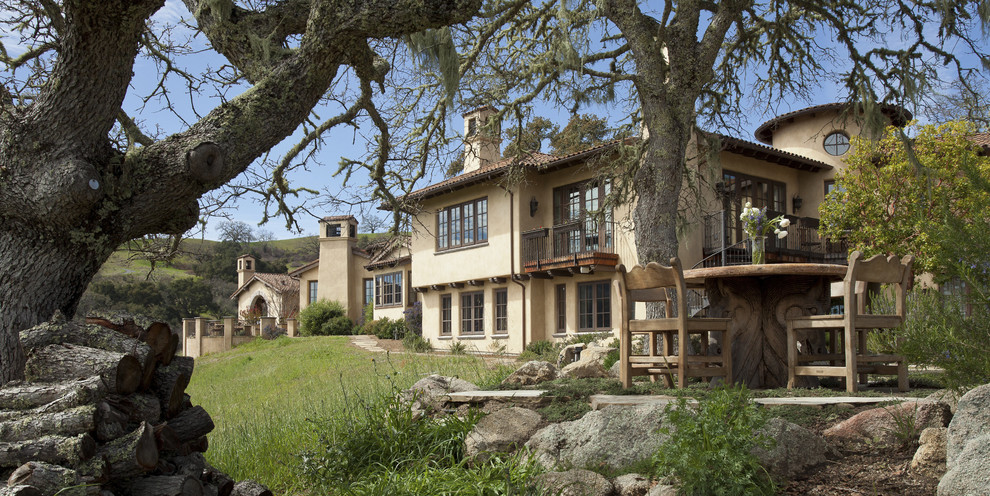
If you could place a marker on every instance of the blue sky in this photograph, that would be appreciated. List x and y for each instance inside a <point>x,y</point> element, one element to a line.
<point>344,141</point>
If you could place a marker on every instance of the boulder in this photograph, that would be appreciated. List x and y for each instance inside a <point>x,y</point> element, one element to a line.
<point>569,354</point>
<point>614,437</point>
<point>947,396</point>
<point>891,425</point>
<point>631,485</point>
<point>615,369</point>
<point>428,395</point>
<point>795,452</point>
<point>532,372</point>
<point>929,460</point>
<point>584,369</point>
<point>968,475</point>
<point>573,483</point>
<point>972,419</point>
<point>663,490</point>
<point>502,431</point>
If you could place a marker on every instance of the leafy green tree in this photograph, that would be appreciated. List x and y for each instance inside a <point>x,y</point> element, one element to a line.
<point>581,132</point>
<point>892,198</point>
<point>530,138</point>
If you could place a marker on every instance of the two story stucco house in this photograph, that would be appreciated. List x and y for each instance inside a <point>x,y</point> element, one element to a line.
<point>512,251</point>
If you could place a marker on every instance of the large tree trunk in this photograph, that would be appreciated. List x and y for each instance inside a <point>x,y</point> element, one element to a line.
<point>41,271</point>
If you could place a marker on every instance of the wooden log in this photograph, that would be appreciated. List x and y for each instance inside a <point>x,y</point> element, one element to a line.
<point>166,439</point>
<point>93,470</point>
<point>78,420</point>
<point>250,488</point>
<point>192,464</point>
<point>199,445</point>
<point>158,336</point>
<point>173,348</point>
<point>58,362</point>
<point>20,491</point>
<point>52,479</point>
<point>111,422</point>
<point>138,407</point>
<point>169,384</point>
<point>122,324</point>
<point>210,490</point>
<point>52,449</point>
<point>21,395</point>
<point>223,483</point>
<point>92,336</point>
<point>192,424</point>
<point>163,485</point>
<point>131,455</point>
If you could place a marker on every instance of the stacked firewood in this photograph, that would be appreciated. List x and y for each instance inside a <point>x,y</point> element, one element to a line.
<point>103,411</point>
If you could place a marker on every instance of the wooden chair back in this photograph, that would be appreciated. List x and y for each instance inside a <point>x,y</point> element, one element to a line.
<point>656,283</point>
<point>878,269</point>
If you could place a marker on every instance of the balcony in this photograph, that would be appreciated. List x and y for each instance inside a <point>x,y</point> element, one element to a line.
<point>577,247</point>
<point>726,243</point>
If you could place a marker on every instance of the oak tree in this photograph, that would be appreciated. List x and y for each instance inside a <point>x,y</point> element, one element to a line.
<point>79,177</point>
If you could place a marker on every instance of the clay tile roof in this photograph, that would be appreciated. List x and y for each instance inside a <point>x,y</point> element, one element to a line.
<point>384,253</point>
<point>280,283</point>
<point>770,154</point>
<point>897,115</point>
<point>479,175</point>
<point>980,139</point>
<point>333,218</point>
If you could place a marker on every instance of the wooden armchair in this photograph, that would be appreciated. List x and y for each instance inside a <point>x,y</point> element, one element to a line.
<point>846,349</point>
<point>656,283</point>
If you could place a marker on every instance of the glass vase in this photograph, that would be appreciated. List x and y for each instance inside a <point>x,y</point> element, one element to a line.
<point>757,247</point>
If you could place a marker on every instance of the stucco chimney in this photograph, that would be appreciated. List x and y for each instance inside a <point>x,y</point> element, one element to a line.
<point>245,269</point>
<point>481,145</point>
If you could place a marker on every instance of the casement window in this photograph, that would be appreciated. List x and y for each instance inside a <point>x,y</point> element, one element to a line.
<point>369,292</point>
<point>473,312</point>
<point>312,292</point>
<point>333,230</point>
<point>446,308</point>
<point>561,308</point>
<point>388,289</point>
<point>580,225</point>
<point>594,306</point>
<point>501,311</point>
<point>836,143</point>
<point>464,224</point>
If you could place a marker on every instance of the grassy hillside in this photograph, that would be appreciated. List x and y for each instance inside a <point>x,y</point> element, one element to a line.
<point>268,397</point>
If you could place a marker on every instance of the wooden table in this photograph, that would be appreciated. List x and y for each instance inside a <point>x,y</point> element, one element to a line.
<point>759,299</point>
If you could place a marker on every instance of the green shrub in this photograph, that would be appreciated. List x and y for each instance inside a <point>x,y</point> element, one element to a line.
<point>546,351</point>
<point>386,328</point>
<point>710,449</point>
<point>416,343</point>
<point>325,318</point>
<point>457,348</point>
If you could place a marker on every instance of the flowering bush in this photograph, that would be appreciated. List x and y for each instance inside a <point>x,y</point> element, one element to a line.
<point>756,223</point>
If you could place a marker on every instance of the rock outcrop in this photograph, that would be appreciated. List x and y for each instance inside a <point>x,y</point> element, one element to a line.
<point>612,437</point>
<point>532,372</point>
<point>502,431</point>
<point>573,483</point>
<point>892,424</point>
<point>968,446</point>
<point>795,451</point>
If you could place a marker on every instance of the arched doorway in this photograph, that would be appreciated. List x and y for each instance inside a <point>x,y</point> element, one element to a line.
<point>259,306</point>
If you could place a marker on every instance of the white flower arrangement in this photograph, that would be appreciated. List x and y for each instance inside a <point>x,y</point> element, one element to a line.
<point>756,223</point>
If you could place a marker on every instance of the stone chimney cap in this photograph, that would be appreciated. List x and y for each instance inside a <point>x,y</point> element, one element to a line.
<point>479,109</point>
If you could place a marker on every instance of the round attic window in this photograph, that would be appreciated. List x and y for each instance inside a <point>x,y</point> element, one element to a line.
<point>837,143</point>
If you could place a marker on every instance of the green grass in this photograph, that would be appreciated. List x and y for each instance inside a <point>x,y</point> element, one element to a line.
<point>265,396</point>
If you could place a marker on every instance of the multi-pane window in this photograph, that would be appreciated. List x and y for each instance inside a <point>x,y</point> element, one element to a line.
<point>388,289</point>
<point>473,312</point>
<point>580,224</point>
<point>760,192</point>
<point>561,308</point>
<point>333,230</point>
<point>501,311</point>
<point>369,292</point>
<point>837,143</point>
<point>312,292</point>
<point>594,306</point>
<point>463,225</point>
<point>446,303</point>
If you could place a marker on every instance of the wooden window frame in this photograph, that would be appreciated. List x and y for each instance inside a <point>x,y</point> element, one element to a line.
<point>473,313</point>
<point>313,286</point>
<point>600,294</point>
<point>385,298</point>
<point>501,297</point>
<point>446,314</point>
<point>457,224</point>
<point>561,304</point>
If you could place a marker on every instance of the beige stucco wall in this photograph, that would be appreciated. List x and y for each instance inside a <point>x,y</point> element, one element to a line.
<point>312,274</point>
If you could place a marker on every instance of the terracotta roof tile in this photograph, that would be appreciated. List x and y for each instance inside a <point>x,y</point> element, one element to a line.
<point>280,283</point>
<point>338,217</point>
<point>898,115</point>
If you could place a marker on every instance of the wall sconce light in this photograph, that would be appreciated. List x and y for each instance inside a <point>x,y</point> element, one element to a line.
<point>533,205</point>
<point>797,202</point>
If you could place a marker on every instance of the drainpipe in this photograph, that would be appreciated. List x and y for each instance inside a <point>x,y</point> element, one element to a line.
<point>512,262</point>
